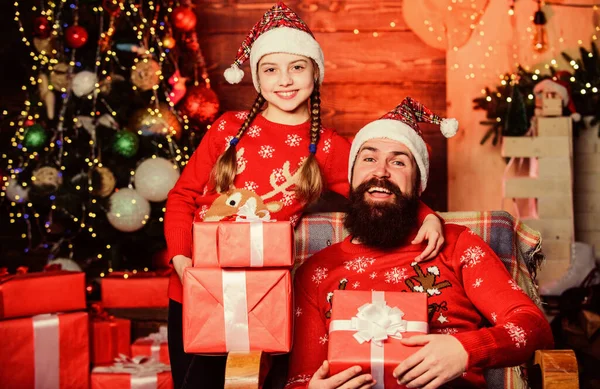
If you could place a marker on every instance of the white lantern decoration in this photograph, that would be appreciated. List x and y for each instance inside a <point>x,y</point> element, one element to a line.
<point>84,83</point>
<point>66,264</point>
<point>128,210</point>
<point>155,177</point>
<point>16,192</point>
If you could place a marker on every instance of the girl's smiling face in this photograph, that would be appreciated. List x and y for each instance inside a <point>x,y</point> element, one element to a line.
<point>286,82</point>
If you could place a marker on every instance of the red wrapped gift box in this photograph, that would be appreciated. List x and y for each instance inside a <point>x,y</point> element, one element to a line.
<point>135,291</point>
<point>110,337</point>
<point>132,374</point>
<point>155,346</point>
<point>233,310</point>
<point>381,350</point>
<point>36,293</point>
<point>45,351</point>
<point>243,244</point>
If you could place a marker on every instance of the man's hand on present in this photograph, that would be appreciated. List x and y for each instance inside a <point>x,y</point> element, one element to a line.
<point>180,262</point>
<point>347,379</point>
<point>442,359</point>
<point>431,230</point>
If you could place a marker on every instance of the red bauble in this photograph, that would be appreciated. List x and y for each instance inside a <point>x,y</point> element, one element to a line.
<point>183,18</point>
<point>41,27</point>
<point>76,36</point>
<point>201,104</point>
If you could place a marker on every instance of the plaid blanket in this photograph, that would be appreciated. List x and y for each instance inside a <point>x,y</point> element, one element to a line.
<point>518,246</point>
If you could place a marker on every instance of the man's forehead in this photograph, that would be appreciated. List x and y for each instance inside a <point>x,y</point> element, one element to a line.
<point>385,145</point>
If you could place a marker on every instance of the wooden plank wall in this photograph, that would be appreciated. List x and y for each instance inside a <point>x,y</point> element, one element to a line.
<point>365,75</point>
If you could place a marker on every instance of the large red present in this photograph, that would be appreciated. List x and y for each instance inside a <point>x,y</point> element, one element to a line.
<point>110,336</point>
<point>136,373</point>
<point>124,290</point>
<point>366,328</point>
<point>44,292</point>
<point>243,244</point>
<point>234,310</point>
<point>45,351</point>
<point>155,346</point>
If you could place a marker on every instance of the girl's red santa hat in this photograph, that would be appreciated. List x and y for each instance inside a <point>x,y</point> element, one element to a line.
<point>402,124</point>
<point>279,31</point>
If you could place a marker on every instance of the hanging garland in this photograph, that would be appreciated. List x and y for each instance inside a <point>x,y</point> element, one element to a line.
<point>511,105</point>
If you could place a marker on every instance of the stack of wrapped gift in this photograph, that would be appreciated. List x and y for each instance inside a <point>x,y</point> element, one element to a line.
<point>110,336</point>
<point>366,328</point>
<point>238,294</point>
<point>44,331</point>
<point>132,373</point>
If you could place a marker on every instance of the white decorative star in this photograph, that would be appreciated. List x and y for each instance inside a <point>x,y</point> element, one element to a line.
<point>442,319</point>
<point>298,311</point>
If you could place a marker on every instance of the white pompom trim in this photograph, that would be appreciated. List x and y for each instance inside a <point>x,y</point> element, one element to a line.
<point>576,116</point>
<point>233,74</point>
<point>449,127</point>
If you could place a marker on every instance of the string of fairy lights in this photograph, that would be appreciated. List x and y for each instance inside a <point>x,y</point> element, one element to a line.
<point>151,47</point>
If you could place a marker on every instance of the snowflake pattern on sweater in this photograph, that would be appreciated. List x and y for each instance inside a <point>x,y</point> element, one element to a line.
<point>462,294</point>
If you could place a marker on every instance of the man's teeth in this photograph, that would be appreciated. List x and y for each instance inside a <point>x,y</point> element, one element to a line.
<point>379,189</point>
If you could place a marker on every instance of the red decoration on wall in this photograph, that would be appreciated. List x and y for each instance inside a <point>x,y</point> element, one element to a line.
<point>201,103</point>
<point>76,36</point>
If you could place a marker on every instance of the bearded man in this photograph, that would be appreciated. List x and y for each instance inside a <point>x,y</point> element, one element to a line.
<point>467,284</point>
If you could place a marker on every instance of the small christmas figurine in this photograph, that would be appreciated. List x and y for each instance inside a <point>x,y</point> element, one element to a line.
<point>550,98</point>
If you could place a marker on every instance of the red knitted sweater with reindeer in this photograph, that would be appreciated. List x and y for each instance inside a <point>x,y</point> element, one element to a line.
<point>471,296</point>
<point>268,156</point>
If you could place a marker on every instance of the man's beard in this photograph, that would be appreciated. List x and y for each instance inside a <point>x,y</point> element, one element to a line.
<point>384,225</point>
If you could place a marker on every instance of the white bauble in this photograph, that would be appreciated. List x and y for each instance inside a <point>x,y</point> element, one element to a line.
<point>84,83</point>
<point>47,176</point>
<point>16,192</point>
<point>155,177</point>
<point>66,264</point>
<point>128,210</point>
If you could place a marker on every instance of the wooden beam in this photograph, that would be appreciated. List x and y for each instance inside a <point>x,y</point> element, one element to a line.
<point>554,126</point>
<point>522,146</point>
<point>553,229</point>
<point>536,187</point>
<point>559,369</point>
<point>554,167</point>
<point>555,207</point>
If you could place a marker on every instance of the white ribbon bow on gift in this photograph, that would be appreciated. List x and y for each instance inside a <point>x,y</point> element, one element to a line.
<point>376,322</point>
<point>247,213</point>
<point>158,337</point>
<point>138,366</point>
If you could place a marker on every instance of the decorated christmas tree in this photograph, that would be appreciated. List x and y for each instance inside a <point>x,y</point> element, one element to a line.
<point>118,99</point>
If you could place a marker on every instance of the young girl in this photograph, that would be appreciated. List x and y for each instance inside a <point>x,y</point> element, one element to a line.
<point>268,163</point>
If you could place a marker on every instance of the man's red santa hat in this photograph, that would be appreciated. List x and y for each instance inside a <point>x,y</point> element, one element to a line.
<point>280,30</point>
<point>402,124</point>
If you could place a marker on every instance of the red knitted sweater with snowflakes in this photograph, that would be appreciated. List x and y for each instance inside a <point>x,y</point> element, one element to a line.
<point>471,296</point>
<point>268,155</point>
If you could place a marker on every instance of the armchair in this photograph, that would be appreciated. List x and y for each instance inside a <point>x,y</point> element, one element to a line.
<point>519,248</point>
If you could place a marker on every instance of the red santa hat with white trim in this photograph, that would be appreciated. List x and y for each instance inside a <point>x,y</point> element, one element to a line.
<point>402,124</point>
<point>280,30</point>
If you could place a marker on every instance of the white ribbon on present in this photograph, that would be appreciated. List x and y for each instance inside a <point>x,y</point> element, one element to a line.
<point>247,213</point>
<point>46,349</point>
<point>235,310</point>
<point>142,370</point>
<point>157,339</point>
<point>376,322</point>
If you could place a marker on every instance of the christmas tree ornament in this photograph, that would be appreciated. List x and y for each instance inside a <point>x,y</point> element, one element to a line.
<point>103,181</point>
<point>145,74</point>
<point>201,103</point>
<point>540,36</point>
<point>128,210</point>
<point>112,7</point>
<point>125,143</point>
<point>76,36</point>
<point>47,95</point>
<point>169,42</point>
<point>59,76</point>
<point>65,264</point>
<point>47,177</point>
<point>41,27</point>
<point>15,192</point>
<point>149,121</point>
<point>84,83</point>
<point>183,18</point>
<point>155,177</point>
<point>35,136</point>
<point>106,85</point>
<point>43,45</point>
<point>178,87</point>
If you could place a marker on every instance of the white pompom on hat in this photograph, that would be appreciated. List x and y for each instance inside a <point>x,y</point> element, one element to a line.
<point>402,124</point>
<point>280,30</point>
